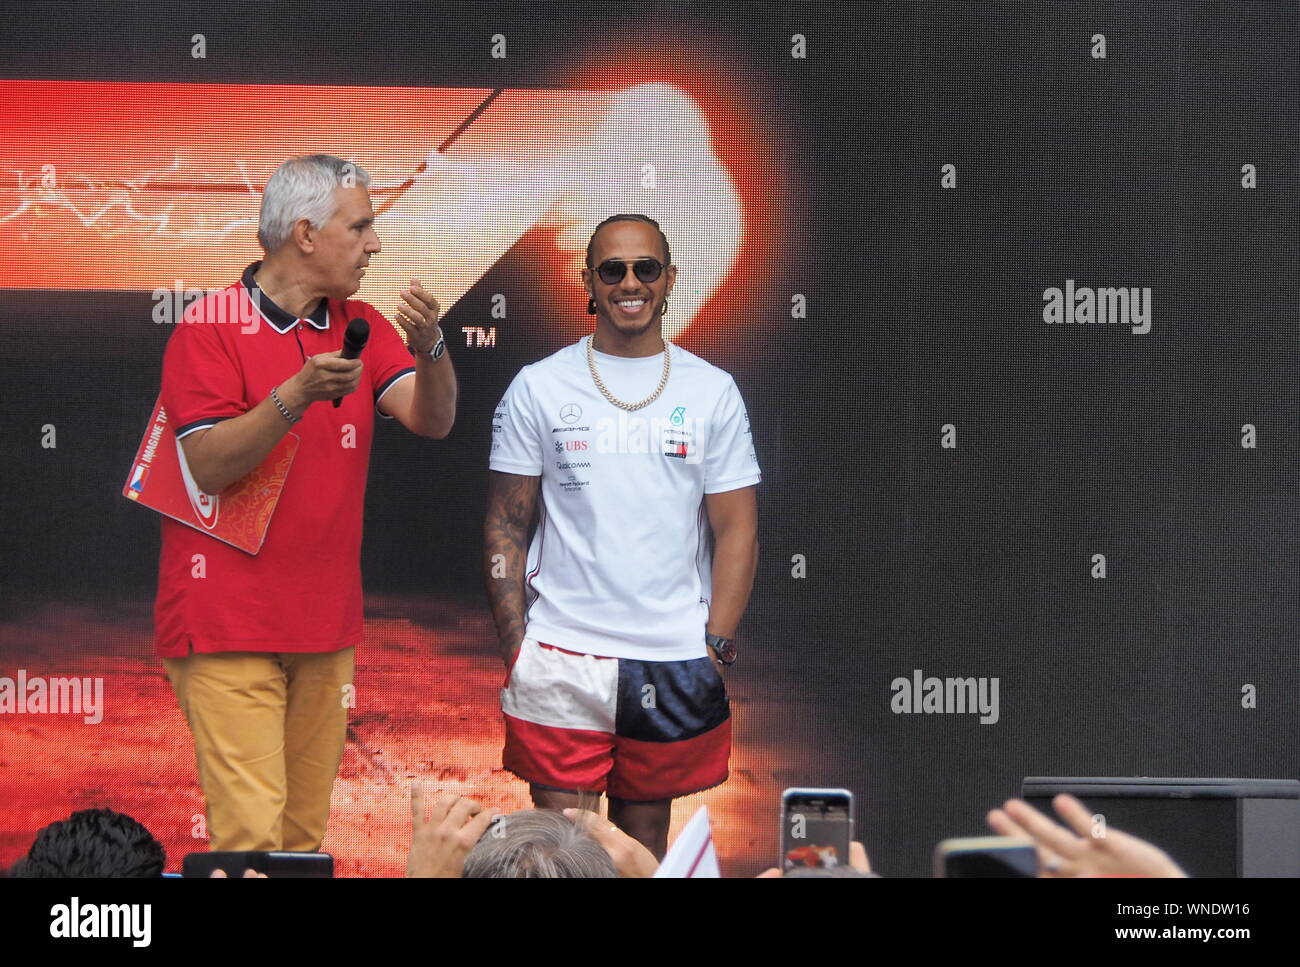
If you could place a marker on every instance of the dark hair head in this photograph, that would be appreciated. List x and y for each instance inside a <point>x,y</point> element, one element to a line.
<point>93,843</point>
<point>644,219</point>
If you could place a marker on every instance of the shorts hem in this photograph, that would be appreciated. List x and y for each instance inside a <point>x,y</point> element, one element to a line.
<point>554,788</point>
<point>675,795</point>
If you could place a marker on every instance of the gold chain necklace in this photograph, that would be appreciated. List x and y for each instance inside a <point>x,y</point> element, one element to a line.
<point>600,384</point>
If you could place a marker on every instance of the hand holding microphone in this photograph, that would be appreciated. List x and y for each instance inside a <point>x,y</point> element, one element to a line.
<point>329,376</point>
<point>354,340</point>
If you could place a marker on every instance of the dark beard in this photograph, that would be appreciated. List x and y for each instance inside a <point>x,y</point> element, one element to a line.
<point>634,333</point>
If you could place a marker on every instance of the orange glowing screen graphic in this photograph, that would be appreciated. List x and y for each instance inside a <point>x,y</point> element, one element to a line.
<point>145,186</point>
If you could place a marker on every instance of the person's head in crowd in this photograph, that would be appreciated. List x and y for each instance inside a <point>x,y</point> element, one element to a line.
<point>93,843</point>
<point>538,844</point>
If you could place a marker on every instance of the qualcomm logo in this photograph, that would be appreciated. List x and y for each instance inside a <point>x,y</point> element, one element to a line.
<point>205,505</point>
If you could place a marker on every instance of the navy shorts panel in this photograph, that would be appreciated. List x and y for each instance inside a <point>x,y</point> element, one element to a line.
<point>669,701</point>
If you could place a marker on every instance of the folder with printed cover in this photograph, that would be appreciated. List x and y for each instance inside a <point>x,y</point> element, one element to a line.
<point>239,516</point>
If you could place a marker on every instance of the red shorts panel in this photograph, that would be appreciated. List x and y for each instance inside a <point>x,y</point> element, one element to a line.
<point>561,758</point>
<point>644,771</point>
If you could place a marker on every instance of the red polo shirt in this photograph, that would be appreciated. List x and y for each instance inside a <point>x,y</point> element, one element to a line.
<point>302,591</point>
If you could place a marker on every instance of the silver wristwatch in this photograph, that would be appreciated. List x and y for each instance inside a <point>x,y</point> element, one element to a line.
<point>438,349</point>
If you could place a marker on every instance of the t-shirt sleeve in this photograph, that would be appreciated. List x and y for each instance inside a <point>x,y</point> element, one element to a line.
<point>202,383</point>
<point>386,357</point>
<point>730,461</point>
<point>516,443</point>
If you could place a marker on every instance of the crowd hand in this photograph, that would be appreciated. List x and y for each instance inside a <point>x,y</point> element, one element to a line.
<point>325,376</point>
<point>857,859</point>
<point>1062,853</point>
<point>419,317</point>
<point>631,859</point>
<point>444,828</point>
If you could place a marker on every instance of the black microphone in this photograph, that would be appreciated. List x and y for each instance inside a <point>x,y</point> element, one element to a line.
<point>354,340</point>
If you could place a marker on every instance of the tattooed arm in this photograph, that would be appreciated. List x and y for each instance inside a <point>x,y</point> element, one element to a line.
<point>511,501</point>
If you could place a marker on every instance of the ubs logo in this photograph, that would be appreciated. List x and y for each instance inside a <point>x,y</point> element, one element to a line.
<point>570,413</point>
<point>575,444</point>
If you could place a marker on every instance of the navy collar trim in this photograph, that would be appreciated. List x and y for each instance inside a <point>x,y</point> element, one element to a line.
<point>277,318</point>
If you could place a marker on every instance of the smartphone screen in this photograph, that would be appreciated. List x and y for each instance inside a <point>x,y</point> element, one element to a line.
<point>816,828</point>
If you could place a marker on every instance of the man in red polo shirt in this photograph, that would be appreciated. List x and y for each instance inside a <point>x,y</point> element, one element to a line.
<point>259,648</point>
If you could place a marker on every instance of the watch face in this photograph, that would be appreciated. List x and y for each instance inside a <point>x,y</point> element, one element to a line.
<point>725,647</point>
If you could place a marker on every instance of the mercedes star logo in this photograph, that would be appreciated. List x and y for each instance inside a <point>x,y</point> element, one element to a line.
<point>570,412</point>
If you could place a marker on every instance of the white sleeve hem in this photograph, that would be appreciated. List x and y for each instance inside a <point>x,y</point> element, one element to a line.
<point>522,469</point>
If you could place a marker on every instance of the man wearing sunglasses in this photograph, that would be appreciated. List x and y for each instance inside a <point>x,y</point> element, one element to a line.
<point>616,622</point>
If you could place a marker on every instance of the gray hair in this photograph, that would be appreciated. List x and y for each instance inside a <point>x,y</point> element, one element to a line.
<point>537,844</point>
<point>303,187</point>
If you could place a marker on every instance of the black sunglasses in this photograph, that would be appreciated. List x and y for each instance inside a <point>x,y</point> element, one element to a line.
<point>613,271</point>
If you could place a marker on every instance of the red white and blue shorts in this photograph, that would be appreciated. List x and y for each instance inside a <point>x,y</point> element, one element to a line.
<point>636,730</point>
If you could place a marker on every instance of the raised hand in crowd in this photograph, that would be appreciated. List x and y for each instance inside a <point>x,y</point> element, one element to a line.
<point>444,828</point>
<point>631,859</point>
<point>1066,853</point>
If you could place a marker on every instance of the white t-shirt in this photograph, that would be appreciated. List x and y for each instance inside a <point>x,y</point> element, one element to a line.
<point>621,562</point>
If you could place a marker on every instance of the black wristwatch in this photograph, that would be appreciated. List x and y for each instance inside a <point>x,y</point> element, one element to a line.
<point>724,648</point>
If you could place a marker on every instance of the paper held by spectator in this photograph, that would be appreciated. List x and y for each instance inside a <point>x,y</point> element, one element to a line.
<point>692,854</point>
